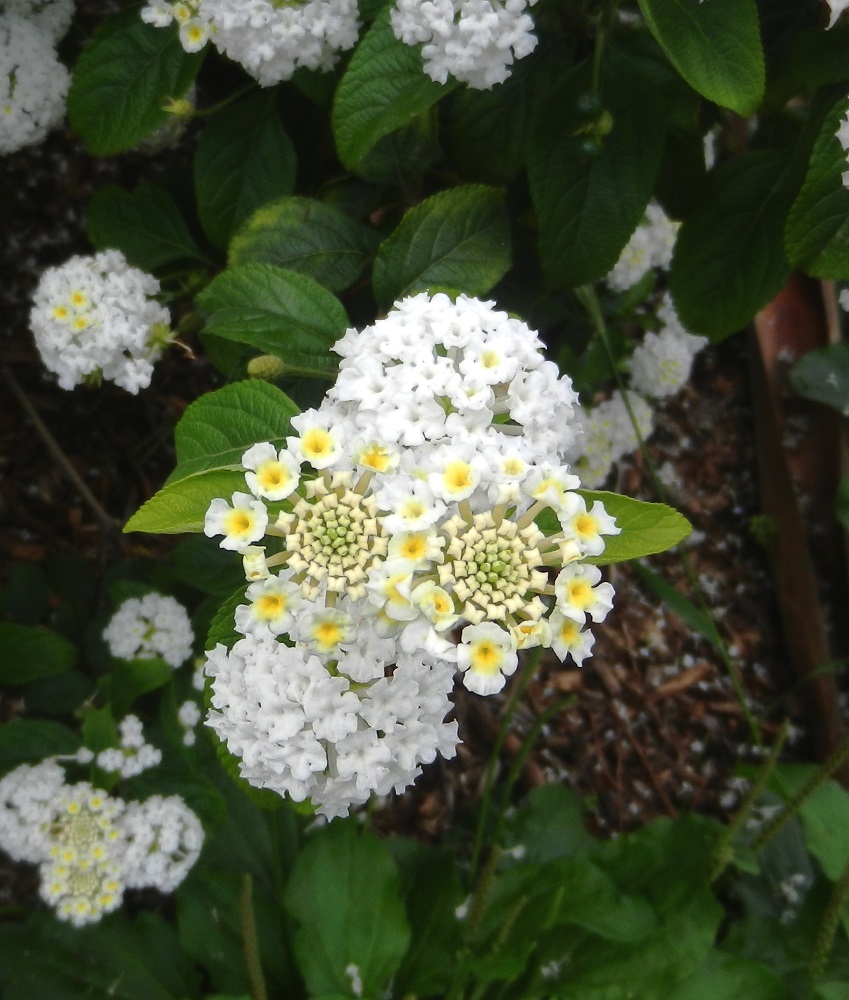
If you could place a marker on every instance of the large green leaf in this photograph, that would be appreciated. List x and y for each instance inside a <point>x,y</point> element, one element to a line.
<point>307,236</point>
<point>217,429</point>
<point>279,312</point>
<point>29,654</point>
<point>715,46</point>
<point>244,159</point>
<point>589,204</point>
<point>123,78</point>
<point>344,894</point>
<point>729,257</point>
<point>146,225</point>
<point>817,233</point>
<point>384,87</point>
<point>29,741</point>
<point>646,528</point>
<point>182,506</point>
<point>458,238</point>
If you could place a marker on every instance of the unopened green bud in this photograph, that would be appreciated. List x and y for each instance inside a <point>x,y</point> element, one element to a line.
<point>267,366</point>
<point>179,107</point>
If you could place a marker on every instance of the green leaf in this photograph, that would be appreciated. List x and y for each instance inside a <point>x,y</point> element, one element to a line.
<point>344,893</point>
<point>121,81</point>
<point>146,225</point>
<point>823,375</point>
<point>384,87</point>
<point>222,628</point>
<point>458,238</point>
<point>133,678</point>
<point>729,259</point>
<point>217,429</point>
<point>724,977</point>
<point>278,312</point>
<point>28,654</point>
<point>244,159</point>
<point>307,236</point>
<point>588,206</point>
<point>29,741</point>
<point>715,46</point>
<point>819,56</point>
<point>551,825</point>
<point>647,528</point>
<point>817,232</point>
<point>99,730</point>
<point>199,562</point>
<point>697,621</point>
<point>182,506</point>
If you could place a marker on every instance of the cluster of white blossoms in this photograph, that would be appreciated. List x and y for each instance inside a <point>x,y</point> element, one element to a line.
<point>269,38</point>
<point>133,755</point>
<point>650,246</point>
<point>842,136</point>
<point>90,846</point>
<point>96,317</point>
<point>51,17</point>
<point>608,435</point>
<point>404,509</point>
<point>188,715</point>
<point>475,41</point>
<point>150,626</point>
<point>661,364</point>
<point>33,82</point>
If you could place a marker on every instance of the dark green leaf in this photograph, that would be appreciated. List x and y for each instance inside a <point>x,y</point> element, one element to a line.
<point>588,206</point>
<point>344,893</point>
<point>217,429</point>
<point>715,46</point>
<point>133,678</point>
<point>29,653</point>
<point>222,630</point>
<point>244,159</point>
<point>122,80</point>
<point>199,562</point>
<point>26,595</point>
<point>384,88</point>
<point>146,225</point>
<point>823,375</point>
<point>458,238</point>
<point>723,977</point>
<point>278,312</point>
<point>307,236</point>
<point>99,730</point>
<point>817,232</point>
<point>729,259</point>
<point>29,741</point>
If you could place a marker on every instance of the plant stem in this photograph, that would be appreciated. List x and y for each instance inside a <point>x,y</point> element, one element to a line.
<point>824,940</point>
<point>829,766</point>
<point>587,297</point>
<point>249,940</point>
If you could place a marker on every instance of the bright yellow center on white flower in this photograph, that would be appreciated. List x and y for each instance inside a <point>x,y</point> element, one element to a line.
<point>273,476</point>
<point>327,635</point>
<point>375,457</point>
<point>486,657</point>
<point>316,443</point>
<point>239,523</point>
<point>458,477</point>
<point>580,594</point>
<point>586,526</point>
<point>270,606</point>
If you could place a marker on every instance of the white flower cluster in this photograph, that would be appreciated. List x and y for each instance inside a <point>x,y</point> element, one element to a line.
<point>651,245</point>
<point>146,627</point>
<point>51,17</point>
<point>408,502</point>
<point>661,364</point>
<point>90,846</point>
<point>609,435</point>
<point>269,38</point>
<point>475,41</point>
<point>96,317</point>
<point>133,755</point>
<point>842,136</point>
<point>188,715</point>
<point>33,83</point>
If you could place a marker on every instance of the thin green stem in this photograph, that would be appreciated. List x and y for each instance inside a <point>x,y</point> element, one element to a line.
<point>587,297</point>
<point>528,671</point>
<point>250,941</point>
<point>230,99</point>
<point>824,941</point>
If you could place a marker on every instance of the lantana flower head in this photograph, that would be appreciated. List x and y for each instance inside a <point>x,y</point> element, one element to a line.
<point>150,626</point>
<point>271,40</point>
<point>97,316</point>
<point>90,846</point>
<point>475,41</point>
<point>33,83</point>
